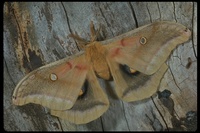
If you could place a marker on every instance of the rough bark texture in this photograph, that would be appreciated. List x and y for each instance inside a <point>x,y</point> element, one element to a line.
<point>37,33</point>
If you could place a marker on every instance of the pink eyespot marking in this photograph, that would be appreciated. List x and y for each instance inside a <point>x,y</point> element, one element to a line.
<point>115,52</point>
<point>81,67</point>
<point>122,43</point>
<point>69,64</point>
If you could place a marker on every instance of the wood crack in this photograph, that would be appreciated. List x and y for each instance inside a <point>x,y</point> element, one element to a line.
<point>174,79</point>
<point>60,124</point>
<point>195,54</point>
<point>125,115</point>
<point>174,11</point>
<point>159,11</point>
<point>160,114</point>
<point>133,14</point>
<point>152,121</point>
<point>22,40</point>
<point>18,26</point>
<point>70,30</point>
<point>149,12</point>
<point>105,19</point>
<point>102,123</point>
<point>66,17</point>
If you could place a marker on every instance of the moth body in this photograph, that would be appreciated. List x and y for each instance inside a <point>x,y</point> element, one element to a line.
<point>95,54</point>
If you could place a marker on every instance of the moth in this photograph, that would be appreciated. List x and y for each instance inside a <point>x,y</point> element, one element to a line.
<point>135,61</point>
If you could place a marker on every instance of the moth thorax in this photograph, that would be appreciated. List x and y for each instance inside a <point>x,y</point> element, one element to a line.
<point>95,54</point>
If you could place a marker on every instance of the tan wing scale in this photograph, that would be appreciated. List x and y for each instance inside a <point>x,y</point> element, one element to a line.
<point>146,48</point>
<point>91,106</point>
<point>55,85</point>
<point>133,87</point>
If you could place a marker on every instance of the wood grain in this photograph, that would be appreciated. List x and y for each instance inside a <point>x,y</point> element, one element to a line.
<point>37,33</point>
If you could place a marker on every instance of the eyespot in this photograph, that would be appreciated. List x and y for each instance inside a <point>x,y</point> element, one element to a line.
<point>186,29</point>
<point>14,97</point>
<point>129,71</point>
<point>143,40</point>
<point>25,83</point>
<point>83,90</point>
<point>53,77</point>
<point>32,77</point>
<point>80,93</point>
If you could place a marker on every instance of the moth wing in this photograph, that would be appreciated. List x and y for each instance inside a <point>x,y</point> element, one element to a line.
<point>88,107</point>
<point>146,48</point>
<point>133,87</point>
<point>55,85</point>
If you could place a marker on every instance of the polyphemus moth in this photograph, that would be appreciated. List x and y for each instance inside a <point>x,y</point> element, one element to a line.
<point>134,60</point>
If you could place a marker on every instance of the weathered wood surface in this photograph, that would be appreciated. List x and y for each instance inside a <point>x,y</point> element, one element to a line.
<point>37,33</point>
